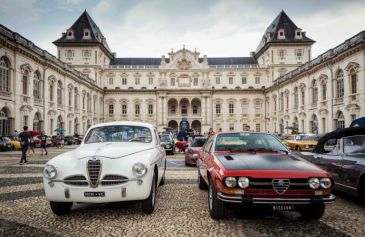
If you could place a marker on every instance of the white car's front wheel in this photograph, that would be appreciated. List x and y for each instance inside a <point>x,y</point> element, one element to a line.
<point>60,208</point>
<point>148,205</point>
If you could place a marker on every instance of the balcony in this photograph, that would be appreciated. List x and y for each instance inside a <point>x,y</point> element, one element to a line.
<point>5,94</point>
<point>38,101</point>
<point>313,106</point>
<point>339,100</point>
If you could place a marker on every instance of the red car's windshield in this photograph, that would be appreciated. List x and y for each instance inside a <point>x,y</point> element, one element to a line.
<point>236,142</point>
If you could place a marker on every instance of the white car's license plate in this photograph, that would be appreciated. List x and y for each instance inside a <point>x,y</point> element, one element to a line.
<point>282,207</point>
<point>94,194</point>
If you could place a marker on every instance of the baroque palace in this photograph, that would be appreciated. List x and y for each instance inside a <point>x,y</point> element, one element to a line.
<point>277,86</point>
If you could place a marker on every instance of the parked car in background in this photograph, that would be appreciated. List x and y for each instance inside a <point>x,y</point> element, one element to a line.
<point>78,139</point>
<point>255,169</point>
<point>70,140</point>
<point>301,142</point>
<point>342,153</point>
<point>15,144</point>
<point>168,142</point>
<point>5,144</point>
<point>117,161</point>
<point>194,151</point>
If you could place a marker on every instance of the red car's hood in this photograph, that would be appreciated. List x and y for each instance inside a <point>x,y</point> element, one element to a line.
<point>265,161</point>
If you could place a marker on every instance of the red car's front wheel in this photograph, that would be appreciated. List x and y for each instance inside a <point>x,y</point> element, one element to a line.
<point>216,207</point>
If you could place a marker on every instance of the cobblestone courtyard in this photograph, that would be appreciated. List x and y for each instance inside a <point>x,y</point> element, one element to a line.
<point>181,210</point>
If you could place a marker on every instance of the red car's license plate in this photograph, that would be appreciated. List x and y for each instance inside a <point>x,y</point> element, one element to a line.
<point>283,208</point>
<point>94,194</point>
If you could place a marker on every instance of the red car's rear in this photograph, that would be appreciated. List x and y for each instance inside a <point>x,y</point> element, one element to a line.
<point>252,169</point>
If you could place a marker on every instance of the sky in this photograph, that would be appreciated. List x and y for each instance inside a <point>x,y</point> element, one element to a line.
<point>216,28</point>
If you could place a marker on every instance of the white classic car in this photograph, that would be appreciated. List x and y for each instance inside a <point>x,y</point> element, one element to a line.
<point>116,161</point>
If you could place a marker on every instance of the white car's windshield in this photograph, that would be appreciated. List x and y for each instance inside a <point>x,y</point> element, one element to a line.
<point>236,142</point>
<point>119,133</point>
<point>305,138</point>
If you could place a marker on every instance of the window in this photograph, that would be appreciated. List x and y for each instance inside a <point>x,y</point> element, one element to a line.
<point>25,84</point>
<point>244,80</point>
<point>86,33</point>
<point>231,108</point>
<point>323,124</point>
<point>340,120</point>
<point>296,99</point>
<point>69,53</point>
<point>195,81</point>
<point>173,109</point>
<point>257,80</point>
<point>339,85</point>
<point>314,92</point>
<point>257,106</point>
<point>136,109</point>
<point>172,82</point>
<point>353,78</point>
<point>195,109</point>
<point>150,81</point>
<point>150,109</point>
<point>324,91</point>
<point>37,85</point>
<point>258,127</point>
<point>303,96</point>
<point>86,53</point>
<point>124,81</point>
<point>299,52</point>
<point>231,127</point>
<point>111,109</point>
<point>281,33</point>
<point>69,97</point>
<point>137,81</point>
<point>25,120</point>
<point>124,109</point>
<point>218,108</point>
<point>217,80</point>
<point>245,107</point>
<point>59,92</point>
<point>281,53</point>
<point>76,98</point>
<point>4,75</point>
<point>69,34</point>
<point>111,81</point>
<point>230,80</point>
<point>83,100</point>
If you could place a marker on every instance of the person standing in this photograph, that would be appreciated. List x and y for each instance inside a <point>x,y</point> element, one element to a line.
<point>58,140</point>
<point>62,140</point>
<point>24,142</point>
<point>43,143</point>
<point>31,144</point>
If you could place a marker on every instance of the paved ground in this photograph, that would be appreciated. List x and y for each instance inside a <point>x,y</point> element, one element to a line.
<point>181,210</point>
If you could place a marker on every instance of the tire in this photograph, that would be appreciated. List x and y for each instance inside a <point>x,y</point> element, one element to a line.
<point>201,183</point>
<point>312,212</point>
<point>297,148</point>
<point>216,207</point>
<point>162,182</point>
<point>148,205</point>
<point>60,208</point>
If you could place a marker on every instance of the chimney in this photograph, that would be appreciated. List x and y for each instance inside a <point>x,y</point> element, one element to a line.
<point>252,54</point>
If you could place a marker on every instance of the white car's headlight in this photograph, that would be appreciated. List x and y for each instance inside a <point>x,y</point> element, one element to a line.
<point>139,169</point>
<point>313,183</point>
<point>326,183</point>
<point>49,172</point>
<point>230,182</point>
<point>243,182</point>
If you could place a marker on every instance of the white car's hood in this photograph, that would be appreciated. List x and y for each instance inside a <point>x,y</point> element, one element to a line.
<point>110,149</point>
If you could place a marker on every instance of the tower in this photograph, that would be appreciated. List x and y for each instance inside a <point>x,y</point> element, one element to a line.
<point>84,47</point>
<point>283,47</point>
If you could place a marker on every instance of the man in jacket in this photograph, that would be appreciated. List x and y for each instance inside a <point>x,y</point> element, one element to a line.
<point>24,142</point>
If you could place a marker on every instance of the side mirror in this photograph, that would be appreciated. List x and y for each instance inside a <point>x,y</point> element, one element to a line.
<point>162,144</point>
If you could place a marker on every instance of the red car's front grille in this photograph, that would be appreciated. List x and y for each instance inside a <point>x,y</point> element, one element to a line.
<point>271,193</point>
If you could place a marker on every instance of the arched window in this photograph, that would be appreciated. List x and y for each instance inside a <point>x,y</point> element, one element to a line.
<point>76,126</point>
<point>4,75</point>
<point>296,98</point>
<point>83,100</point>
<point>37,85</point>
<point>314,92</point>
<point>302,92</point>
<point>339,85</point>
<point>314,124</point>
<point>59,92</point>
<point>76,98</point>
<point>4,122</point>
<point>25,83</point>
<point>37,122</point>
<point>70,97</point>
<point>59,122</point>
<point>340,120</point>
<point>51,91</point>
<point>353,81</point>
<point>324,91</point>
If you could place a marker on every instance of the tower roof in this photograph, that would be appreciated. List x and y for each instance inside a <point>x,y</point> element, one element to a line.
<point>82,23</point>
<point>282,22</point>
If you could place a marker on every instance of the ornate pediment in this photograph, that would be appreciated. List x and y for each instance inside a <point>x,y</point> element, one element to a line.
<point>184,64</point>
<point>183,59</point>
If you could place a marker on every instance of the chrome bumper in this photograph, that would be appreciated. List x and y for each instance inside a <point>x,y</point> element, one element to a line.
<point>293,201</point>
<point>51,182</point>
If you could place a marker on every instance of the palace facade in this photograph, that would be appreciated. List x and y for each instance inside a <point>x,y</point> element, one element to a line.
<point>276,87</point>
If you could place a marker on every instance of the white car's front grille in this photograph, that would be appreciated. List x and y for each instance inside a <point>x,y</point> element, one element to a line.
<point>94,169</point>
<point>77,180</point>
<point>113,180</point>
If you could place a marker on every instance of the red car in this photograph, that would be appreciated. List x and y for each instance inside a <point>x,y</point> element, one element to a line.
<point>193,152</point>
<point>256,169</point>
